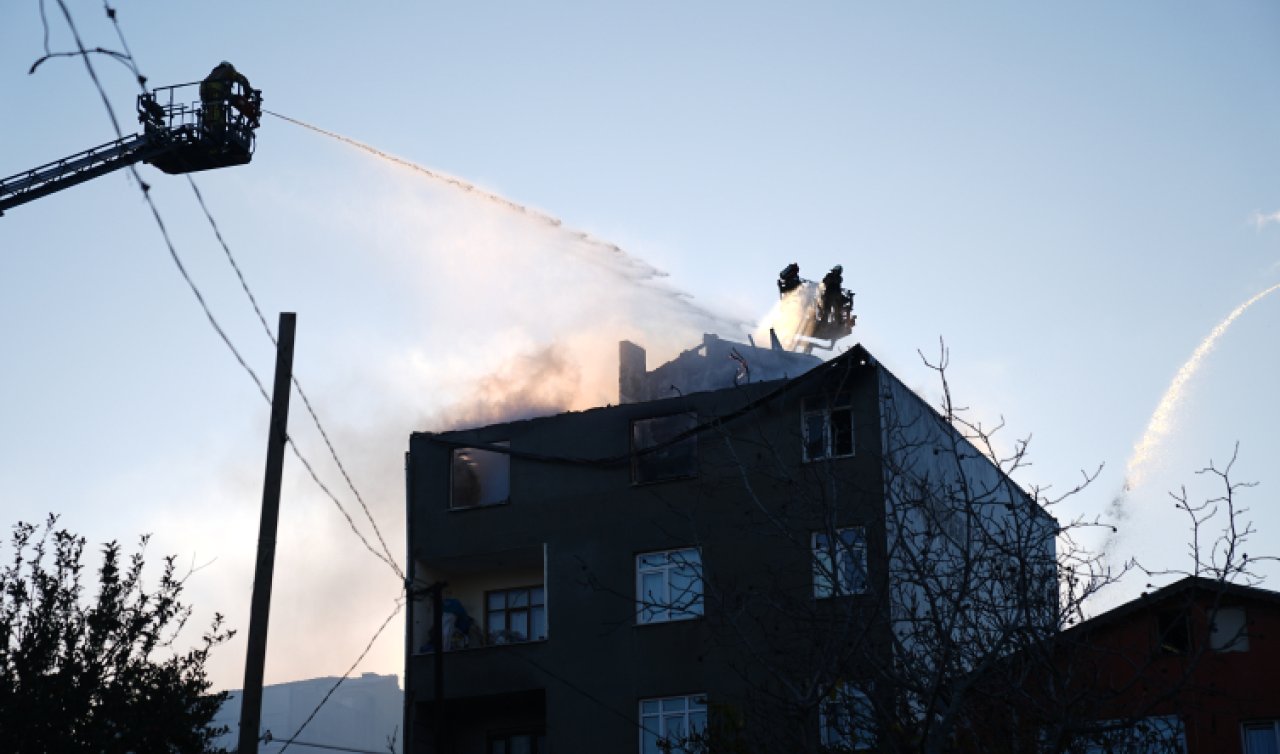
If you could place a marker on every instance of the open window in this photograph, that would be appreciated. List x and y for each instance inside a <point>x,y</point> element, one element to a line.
<point>827,427</point>
<point>661,449</point>
<point>479,477</point>
<point>1174,632</point>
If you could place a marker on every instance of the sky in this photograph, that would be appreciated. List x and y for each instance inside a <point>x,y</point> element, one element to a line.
<point>1070,198</point>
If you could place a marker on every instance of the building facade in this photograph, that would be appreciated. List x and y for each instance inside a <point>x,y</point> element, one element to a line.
<point>1188,669</point>
<point>752,549</point>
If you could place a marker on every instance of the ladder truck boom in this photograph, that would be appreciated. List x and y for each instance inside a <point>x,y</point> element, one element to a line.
<point>179,135</point>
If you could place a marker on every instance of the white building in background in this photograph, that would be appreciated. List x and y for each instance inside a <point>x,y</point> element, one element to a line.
<point>364,714</point>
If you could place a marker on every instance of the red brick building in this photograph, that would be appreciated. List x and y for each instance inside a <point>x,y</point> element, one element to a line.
<point>1193,667</point>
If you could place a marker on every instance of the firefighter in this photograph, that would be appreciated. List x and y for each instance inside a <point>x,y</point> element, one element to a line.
<point>218,89</point>
<point>832,309</point>
<point>789,279</point>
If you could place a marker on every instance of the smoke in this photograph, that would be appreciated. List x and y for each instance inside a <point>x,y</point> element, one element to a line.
<point>443,306</point>
<point>544,382</point>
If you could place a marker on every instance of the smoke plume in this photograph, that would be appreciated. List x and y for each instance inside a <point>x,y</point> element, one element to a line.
<point>443,306</point>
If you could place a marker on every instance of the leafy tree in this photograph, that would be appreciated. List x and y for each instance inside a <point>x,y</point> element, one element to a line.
<point>83,675</point>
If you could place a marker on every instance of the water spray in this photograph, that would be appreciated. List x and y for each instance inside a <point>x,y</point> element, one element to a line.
<point>638,268</point>
<point>1162,419</point>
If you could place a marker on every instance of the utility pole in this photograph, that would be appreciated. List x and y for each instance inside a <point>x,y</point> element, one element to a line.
<point>277,436</point>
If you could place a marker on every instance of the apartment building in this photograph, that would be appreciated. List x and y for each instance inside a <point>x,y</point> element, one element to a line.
<point>736,551</point>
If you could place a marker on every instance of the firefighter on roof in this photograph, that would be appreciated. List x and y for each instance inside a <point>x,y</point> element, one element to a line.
<point>789,279</point>
<point>832,304</point>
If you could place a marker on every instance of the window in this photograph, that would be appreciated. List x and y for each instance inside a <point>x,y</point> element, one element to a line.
<point>1175,632</point>
<point>1262,737</point>
<point>655,453</point>
<point>841,569</point>
<point>668,585</point>
<point>515,615</point>
<point>1227,630</point>
<point>479,478</point>
<point>845,719</point>
<point>827,427</point>
<point>670,723</point>
<point>518,743</point>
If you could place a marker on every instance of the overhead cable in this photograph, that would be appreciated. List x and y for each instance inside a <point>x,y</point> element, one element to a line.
<point>350,670</point>
<point>128,59</point>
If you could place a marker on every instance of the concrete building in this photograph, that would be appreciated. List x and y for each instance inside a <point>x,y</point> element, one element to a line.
<point>721,554</point>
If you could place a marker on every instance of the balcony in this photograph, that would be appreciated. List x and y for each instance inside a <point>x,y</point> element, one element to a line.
<point>490,599</point>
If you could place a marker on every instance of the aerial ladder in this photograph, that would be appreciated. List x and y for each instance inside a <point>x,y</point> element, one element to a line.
<point>181,133</point>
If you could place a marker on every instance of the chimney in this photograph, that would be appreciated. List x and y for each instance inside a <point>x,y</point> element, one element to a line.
<point>632,370</point>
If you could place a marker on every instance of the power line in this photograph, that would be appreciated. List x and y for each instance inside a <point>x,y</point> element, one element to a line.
<point>84,54</point>
<point>399,605</point>
<point>128,59</point>
<point>146,195</point>
<point>331,747</point>
<point>619,459</point>
<point>386,555</point>
<point>350,522</point>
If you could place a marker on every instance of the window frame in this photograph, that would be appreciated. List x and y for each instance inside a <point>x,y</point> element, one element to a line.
<point>1238,639</point>
<point>694,704</point>
<point>453,476</point>
<point>507,610</point>
<point>850,705</point>
<point>1174,636</point>
<point>1259,725</point>
<point>638,456</point>
<point>825,408</point>
<point>663,610</point>
<point>538,740</point>
<point>829,577</point>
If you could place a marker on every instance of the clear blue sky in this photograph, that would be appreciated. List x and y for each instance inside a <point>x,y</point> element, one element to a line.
<point>1069,196</point>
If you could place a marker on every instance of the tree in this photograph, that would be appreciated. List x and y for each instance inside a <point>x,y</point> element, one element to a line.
<point>1144,703</point>
<point>901,596</point>
<point>896,566</point>
<point>86,675</point>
